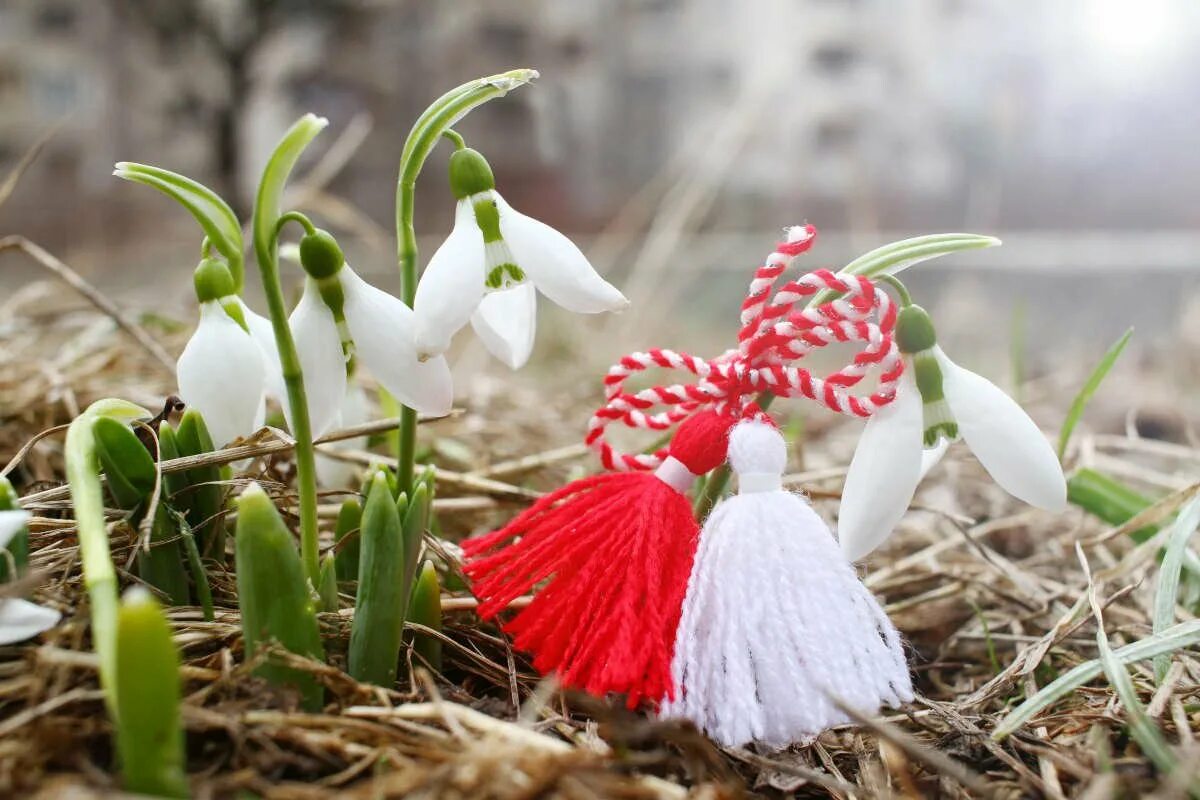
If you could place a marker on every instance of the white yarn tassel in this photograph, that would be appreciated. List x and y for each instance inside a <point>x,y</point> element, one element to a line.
<point>775,622</point>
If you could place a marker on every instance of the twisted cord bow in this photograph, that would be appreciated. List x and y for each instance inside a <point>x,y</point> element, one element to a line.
<point>775,334</point>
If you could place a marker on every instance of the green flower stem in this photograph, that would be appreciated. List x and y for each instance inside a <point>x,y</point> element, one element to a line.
<point>426,131</point>
<point>266,251</point>
<point>99,577</point>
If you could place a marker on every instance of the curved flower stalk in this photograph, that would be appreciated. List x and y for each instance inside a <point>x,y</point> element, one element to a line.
<point>230,364</point>
<point>340,316</point>
<point>20,619</point>
<point>487,270</point>
<point>938,402</point>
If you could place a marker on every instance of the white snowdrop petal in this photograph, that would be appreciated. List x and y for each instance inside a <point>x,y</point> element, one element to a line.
<point>1006,441</point>
<point>383,328</point>
<point>264,336</point>
<point>334,472</point>
<point>883,474</point>
<point>10,523</point>
<point>322,359</point>
<point>931,457</point>
<point>506,321</point>
<point>21,620</point>
<point>221,374</point>
<point>451,286</point>
<point>556,266</point>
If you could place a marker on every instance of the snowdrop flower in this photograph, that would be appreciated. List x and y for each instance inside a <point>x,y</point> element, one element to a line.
<point>487,270</point>
<point>230,364</point>
<point>20,619</point>
<point>340,316</point>
<point>939,400</point>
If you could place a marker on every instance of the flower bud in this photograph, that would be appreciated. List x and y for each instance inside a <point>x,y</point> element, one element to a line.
<point>914,330</point>
<point>470,173</point>
<point>213,280</point>
<point>320,255</point>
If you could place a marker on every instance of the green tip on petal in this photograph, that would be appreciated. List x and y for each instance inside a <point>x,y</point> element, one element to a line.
<point>320,255</point>
<point>213,280</point>
<point>470,173</point>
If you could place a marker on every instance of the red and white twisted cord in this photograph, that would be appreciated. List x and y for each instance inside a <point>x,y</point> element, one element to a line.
<point>774,334</point>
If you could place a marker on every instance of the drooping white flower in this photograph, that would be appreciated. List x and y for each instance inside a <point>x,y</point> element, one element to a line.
<point>341,316</point>
<point>487,270</point>
<point>225,370</point>
<point>938,400</point>
<point>20,619</point>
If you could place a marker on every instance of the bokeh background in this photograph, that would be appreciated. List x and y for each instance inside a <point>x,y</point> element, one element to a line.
<point>673,138</point>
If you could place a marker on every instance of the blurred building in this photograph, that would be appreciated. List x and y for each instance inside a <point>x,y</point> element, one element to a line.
<point>863,114</point>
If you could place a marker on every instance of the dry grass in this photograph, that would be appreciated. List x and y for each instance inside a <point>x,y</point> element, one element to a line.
<point>989,594</point>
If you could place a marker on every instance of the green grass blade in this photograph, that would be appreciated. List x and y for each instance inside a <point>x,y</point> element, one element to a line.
<point>425,608</point>
<point>1144,731</point>
<point>1177,637</point>
<point>1089,388</point>
<point>347,539</point>
<point>1168,578</point>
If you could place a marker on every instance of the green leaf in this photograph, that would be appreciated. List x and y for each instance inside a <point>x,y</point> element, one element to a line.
<point>162,565</point>
<point>150,741</point>
<point>1089,388</point>
<point>274,179</point>
<point>1177,637</point>
<point>416,522</point>
<point>273,594</point>
<point>1167,589</point>
<point>220,224</point>
<point>899,256</point>
<point>347,539</point>
<point>126,463</point>
<point>328,584</point>
<point>425,608</point>
<point>202,499</point>
<point>379,606</point>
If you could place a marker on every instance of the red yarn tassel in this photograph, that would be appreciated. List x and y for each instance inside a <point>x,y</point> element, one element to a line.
<point>615,551</point>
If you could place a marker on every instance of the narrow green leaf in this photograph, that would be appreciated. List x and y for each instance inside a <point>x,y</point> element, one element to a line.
<point>202,498</point>
<point>425,608</point>
<point>150,741</point>
<point>273,594</point>
<point>1109,499</point>
<point>274,178</point>
<point>1168,577</point>
<point>1148,737</point>
<point>416,522</point>
<point>348,541</point>
<point>220,224</point>
<point>162,565</point>
<point>196,566</point>
<point>376,633</point>
<point>1089,388</point>
<point>1177,637</point>
<point>898,256</point>
<point>99,576</point>
<point>328,584</point>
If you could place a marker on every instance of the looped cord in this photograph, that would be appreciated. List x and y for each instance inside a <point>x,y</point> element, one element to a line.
<point>776,333</point>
